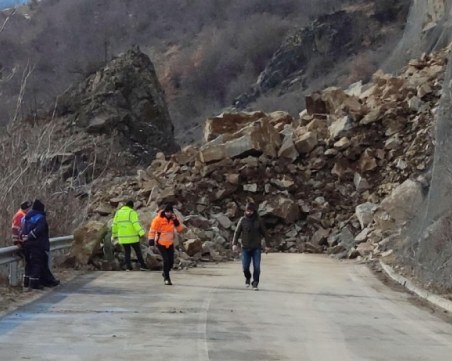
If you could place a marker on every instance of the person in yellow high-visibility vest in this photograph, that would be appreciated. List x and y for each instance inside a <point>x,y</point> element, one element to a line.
<point>127,231</point>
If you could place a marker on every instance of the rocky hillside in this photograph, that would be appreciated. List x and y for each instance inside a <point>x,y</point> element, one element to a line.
<point>107,125</point>
<point>207,52</point>
<point>124,104</point>
<point>335,48</point>
<point>116,118</point>
<point>427,29</point>
<point>342,178</point>
<point>425,251</point>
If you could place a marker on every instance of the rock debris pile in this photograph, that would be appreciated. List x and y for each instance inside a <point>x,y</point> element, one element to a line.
<point>341,178</point>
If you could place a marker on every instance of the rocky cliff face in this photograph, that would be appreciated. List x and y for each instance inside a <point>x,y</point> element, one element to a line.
<point>109,124</point>
<point>316,50</point>
<point>124,102</point>
<point>426,239</point>
<point>427,29</point>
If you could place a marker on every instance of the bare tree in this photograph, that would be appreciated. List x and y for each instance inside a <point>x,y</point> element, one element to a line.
<point>7,19</point>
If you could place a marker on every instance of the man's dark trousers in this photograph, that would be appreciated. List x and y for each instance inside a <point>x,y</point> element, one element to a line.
<point>255,256</point>
<point>127,251</point>
<point>168,259</point>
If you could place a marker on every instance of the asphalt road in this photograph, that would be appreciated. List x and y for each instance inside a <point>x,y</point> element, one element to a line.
<point>307,308</point>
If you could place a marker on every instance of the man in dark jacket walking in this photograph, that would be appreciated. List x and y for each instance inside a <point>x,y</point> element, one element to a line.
<point>35,232</point>
<point>252,231</point>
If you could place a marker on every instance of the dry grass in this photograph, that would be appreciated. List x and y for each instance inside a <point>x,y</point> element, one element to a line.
<point>30,164</point>
<point>36,162</point>
<point>25,173</point>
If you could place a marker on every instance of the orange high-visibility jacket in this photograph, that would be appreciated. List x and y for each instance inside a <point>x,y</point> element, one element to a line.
<point>17,220</point>
<point>162,230</point>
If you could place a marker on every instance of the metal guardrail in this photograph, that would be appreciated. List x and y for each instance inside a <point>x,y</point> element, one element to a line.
<point>10,255</point>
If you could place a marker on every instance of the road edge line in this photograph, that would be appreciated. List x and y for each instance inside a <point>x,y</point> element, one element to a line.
<point>432,298</point>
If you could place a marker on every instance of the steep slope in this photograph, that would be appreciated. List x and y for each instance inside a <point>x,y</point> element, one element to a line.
<point>106,126</point>
<point>428,29</point>
<point>333,50</point>
<point>207,52</point>
<point>426,240</point>
<point>125,103</point>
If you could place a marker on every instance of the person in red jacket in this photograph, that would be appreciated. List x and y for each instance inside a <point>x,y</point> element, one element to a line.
<point>25,207</point>
<point>161,234</point>
<point>16,223</point>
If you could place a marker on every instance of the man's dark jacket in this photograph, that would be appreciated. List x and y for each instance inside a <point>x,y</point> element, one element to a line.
<point>251,230</point>
<point>38,235</point>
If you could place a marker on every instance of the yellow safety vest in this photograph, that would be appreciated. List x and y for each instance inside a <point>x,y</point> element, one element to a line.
<point>126,226</point>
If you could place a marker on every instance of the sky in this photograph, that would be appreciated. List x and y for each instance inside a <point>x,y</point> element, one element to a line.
<point>9,3</point>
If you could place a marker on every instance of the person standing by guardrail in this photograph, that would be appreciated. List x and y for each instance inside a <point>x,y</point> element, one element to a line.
<point>127,230</point>
<point>17,238</point>
<point>17,221</point>
<point>35,234</point>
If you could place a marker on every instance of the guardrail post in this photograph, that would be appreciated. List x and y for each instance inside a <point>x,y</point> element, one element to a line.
<point>10,256</point>
<point>14,273</point>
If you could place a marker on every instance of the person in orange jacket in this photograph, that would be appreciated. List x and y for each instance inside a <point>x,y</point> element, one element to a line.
<point>161,234</point>
<point>17,220</point>
<point>16,227</point>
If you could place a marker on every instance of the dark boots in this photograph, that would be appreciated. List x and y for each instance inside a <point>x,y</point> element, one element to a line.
<point>35,284</point>
<point>52,283</point>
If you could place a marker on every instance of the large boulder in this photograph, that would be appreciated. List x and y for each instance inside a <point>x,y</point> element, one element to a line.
<point>280,207</point>
<point>257,138</point>
<point>229,123</point>
<point>319,47</point>
<point>87,243</point>
<point>400,206</point>
<point>340,127</point>
<point>193,246</point>
<point>305,141</point>
<point>365,213</point>
<point>288,149</point>
<point>123,101</point>
<point>153,259</point>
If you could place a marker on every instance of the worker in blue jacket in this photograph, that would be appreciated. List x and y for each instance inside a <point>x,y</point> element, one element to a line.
<point>35,233</point>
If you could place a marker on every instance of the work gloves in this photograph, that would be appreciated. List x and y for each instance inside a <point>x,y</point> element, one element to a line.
<point>151,242</point>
